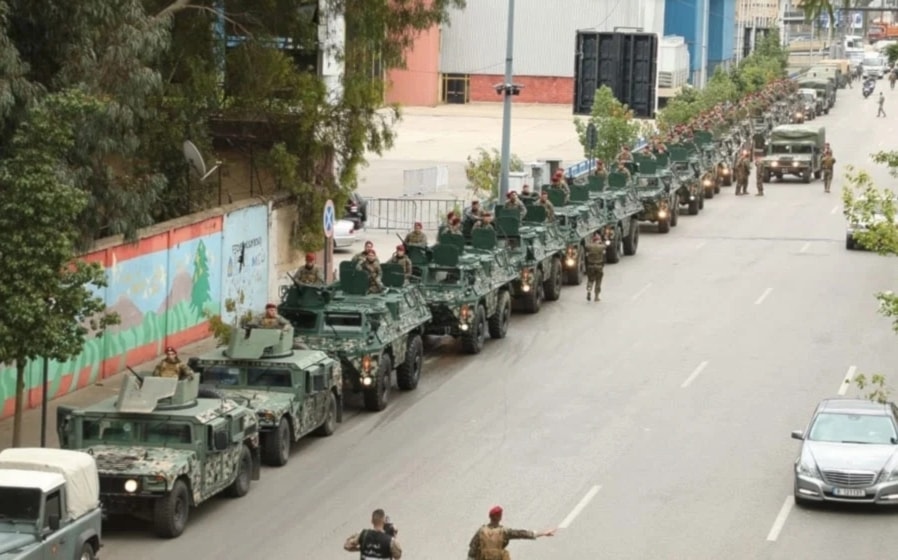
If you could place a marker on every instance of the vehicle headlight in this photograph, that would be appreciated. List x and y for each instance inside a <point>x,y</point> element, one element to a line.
<point>706,182</point>
<point>130,486</point>
<point>662,213</point>
<point>775,164</point>
<point>891,476</point>
<point>726,171</point>
<point>794,164</point>
<point>804,469</point>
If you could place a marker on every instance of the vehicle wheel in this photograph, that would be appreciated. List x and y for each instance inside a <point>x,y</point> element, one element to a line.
<point>330,419</point>
<point>631,241</point>
<point>171,511</point>
<point>377,397</point>
<point>276,444</point>
<point>850,242</point>
<point>806,176</point>
<point>717,186</point>
<point>552,285</point>
<point>693,207</point>
<point>533,301</point>
<point>728,182</point>
<point>574,277</point>
<point>409,372</point>
<point>664,225</point>
<point>709,193</point>
<point>803,502</point>
<point>818,174</point>
<point>87,552</point>
<point>674,213</point>
<point>240,486</point>
<point>766,178</point>
<point>473,340</point>
<point>701,202</point>
<point>498,324</point>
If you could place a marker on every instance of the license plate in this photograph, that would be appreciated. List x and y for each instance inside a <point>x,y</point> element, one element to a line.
<point>849,492</point>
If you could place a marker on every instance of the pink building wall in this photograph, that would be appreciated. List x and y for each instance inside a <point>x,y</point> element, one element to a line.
<point>419,84</point>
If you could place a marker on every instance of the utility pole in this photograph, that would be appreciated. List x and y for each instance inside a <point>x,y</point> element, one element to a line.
<point>508,90</point>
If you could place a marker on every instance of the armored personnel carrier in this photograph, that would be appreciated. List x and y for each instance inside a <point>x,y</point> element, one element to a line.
<point>711,158</point>
<point>620,201</point>
<point>293,392</point>
<point>372,335</point>
<point>687,173</point>
<point>657,193</point>
<point>160,449</point>
<point>468,288</point>
<point>577,218</point>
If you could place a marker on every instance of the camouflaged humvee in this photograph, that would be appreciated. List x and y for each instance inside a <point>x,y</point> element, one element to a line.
<point>656,192</point>
<point>294,392</point>
<point>161,450</point>
<point>687,172</point>
<point>370,334</point>
<point>468,288</point>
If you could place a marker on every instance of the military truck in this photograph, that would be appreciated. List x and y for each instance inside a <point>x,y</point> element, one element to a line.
<point>794,149</point>
<point>468,288</point>
<point>687,174</point>
<point>536,248</point>
<point>577,218</point>
<point>657,194</point>
<point>293,392</point>
<point>824,88</point>
<point>160,449</point>
<point>49,505</point>
<point>372,335</point>
<point>620,200</point>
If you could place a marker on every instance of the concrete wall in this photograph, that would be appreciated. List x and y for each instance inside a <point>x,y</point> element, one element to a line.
<point>419,83</point>
<point>164,286</point>
<point>537,89</point>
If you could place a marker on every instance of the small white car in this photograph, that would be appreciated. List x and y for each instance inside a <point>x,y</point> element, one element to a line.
<point>344,234</point>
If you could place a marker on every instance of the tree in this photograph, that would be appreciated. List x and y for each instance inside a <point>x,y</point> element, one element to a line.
<point>483,172</point>
<point>614,123</point>
<point>49,306</point>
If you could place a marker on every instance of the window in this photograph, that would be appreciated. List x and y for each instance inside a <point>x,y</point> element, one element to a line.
<point>340,321</point>
<point>853,428</point>
<point>220,375</point>
<point>318,379</point>
<point>303,320</point>
<point>268,377</point>
<point>54,508</point>
<point>114,430</point>
<point>450,276</point>
<point>19,504</point>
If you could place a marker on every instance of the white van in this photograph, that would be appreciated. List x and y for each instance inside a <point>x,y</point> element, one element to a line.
<point>874,66</point>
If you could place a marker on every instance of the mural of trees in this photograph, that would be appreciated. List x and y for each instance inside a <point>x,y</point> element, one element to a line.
<point>200,294</point>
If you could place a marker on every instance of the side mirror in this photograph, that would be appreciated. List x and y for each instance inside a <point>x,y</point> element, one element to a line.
<point>53,521</point>
<point>798,434</point>
<point>220,441</point>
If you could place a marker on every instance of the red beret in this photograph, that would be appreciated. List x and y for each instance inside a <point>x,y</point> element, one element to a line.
<point>170,349</point>
<point>496,511</point>
<point>310,257</point>
<point>271,306</point>
<point>419,224</point>
<point>400,247</point>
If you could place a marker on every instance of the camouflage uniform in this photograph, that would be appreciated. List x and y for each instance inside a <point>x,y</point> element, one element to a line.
<point>562,186</point>
<point>550,209</point>
<point>418,238</point>
<point>309,274</point>
<point>360,257</point>
<point>375,285</point>
<point>741,175</point>
<point>827,164</point>
<point>595,267</point>
<point>173,369</point>
<point>759,177</point>
<point>404,261</point>
<point>489,542</point>
<point>276,322</point>
<point>454,227</point>
<point>482,224</point>
<point>517,204</point>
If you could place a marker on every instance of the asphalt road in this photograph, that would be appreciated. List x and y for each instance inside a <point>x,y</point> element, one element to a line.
<point>654,424</point>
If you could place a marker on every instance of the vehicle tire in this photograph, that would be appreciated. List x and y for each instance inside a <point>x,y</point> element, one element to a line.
<point>717,184</point>
<point>693,207</point>
<point>244,478</point>
<point>664,224</point>
<point>473,340</point>
<point>329,426</point>
<point>552,285</point>
<point>574,277</point>
<point>674,213</point>
<point>818,174</point>
<point>170,512</point>
<point>766,178</point>
<point>728,181</point>
<point>498,324</point>
<point>709,193</point>
<point>87,552</point>
<point>276,444</point>
<point>533,301</point>
<point>850,242</point>
<point>631,241</point>
<point>409,372</point>
<point>806,176</point>
<point>377,397</point>
<point>613,252</point>
<point>701,203</point>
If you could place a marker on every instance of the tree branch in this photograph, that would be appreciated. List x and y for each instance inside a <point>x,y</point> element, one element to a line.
<point>181,5</point>
<point>173,8</point>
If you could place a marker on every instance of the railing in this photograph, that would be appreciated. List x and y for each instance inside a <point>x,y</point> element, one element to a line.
<point>400,214</point>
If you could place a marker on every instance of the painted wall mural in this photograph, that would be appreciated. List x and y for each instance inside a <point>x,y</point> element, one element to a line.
<point>163,288</point>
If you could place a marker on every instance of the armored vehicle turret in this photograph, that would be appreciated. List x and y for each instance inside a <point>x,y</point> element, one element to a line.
<point>371,335</point>
<point>161,449</point>
<point>687,173</point>
<point>293,392</point>
<point>657,193</point>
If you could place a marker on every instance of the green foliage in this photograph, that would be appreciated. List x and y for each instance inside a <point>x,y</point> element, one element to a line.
<point>876,387</point>
<point>483,172</point>
<point>615,126</point>
<point>892,53</point>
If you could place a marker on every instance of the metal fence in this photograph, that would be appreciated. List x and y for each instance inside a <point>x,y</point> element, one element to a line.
<point>400,214</point>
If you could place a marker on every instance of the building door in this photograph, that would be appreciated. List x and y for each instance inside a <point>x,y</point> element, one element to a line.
<point>456,88</point>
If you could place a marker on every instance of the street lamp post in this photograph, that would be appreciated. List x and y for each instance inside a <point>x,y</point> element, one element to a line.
<point>508,90</point>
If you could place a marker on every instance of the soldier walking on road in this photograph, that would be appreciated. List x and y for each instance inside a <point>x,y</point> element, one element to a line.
<point>759,176</point>
<point>881,112</point>
<point>827,164</point>
<point>377,542</point>
<point>491,540</point>
<point>595,266</point>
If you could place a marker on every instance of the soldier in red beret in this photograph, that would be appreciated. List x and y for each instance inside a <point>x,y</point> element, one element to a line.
<point>271,319</point>
<point>171,366</point>
<point>491,540</point>
<point>309,273</point>
<point>400,258</point>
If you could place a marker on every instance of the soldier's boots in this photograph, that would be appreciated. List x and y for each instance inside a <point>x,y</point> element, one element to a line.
<point>588,296</point>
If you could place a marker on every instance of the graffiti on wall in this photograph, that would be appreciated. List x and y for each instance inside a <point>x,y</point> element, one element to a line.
<point>245,261</point>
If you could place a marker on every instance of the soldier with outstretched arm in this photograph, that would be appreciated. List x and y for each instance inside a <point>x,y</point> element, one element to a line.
<point>491,540</point>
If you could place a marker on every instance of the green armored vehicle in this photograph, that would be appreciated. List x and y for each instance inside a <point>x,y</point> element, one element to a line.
<point>711,159</point>
<point>577,219</point>
<point>372,335</point>
<point>535,247</point>
<point>160,449</point>
<point>622,205</point>
<point>687,174</point>
<point>656,192</point>
<point>293,392</point>
<point>794,149</point>
<point>468,288</point>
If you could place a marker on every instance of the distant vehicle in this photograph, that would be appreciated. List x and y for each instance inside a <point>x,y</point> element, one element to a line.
<point>852,243</point>
<point>849,453</point>
<point>874,66</point>
<point>344,234</point>
<point>356,210</point>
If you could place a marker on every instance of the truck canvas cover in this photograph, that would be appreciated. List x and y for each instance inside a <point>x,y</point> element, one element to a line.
<point>77,468</point>
<point>799,133</point>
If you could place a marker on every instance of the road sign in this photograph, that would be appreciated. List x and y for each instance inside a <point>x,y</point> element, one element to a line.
<point>329,219</point>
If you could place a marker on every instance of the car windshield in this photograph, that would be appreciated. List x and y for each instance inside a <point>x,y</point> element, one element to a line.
<point>853,428</point>
<point>226,375</point>
<point>444,276</point>
<point>133,432</point>
<point>19,504</point>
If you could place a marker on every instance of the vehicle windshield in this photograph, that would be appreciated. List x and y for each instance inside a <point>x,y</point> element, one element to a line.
<point>343,321</point>
<point>19,504</point>
<point>853,428</point>
<point>444,276</point>
<point>791,149</point>
<point>809,97</point>
<point>125,431</point>
<point>229,375</point>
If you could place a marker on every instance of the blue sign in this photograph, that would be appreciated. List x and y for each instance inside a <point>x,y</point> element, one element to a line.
<point>329,218</point>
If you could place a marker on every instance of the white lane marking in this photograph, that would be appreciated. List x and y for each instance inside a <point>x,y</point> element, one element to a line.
<point>761,299</point>
<point>695,373</point>
<point>805,247</point>
<point>578,509</point>
<point>780,520</point>
<point>834,210</point>
<point>700,245</point>
<point>846,382</point>
<point>644,289</point>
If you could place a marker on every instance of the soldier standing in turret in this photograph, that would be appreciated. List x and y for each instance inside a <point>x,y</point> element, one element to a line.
<point>360,257</point>
<point>400,258</point>
<point>515,203</point>
<point>547,204</point>
<point>372,266</point>
<point>172,367</point>
<point>271,319</point>
<point>417,236</point>
<point>559,183</point>
<point>309,273</point>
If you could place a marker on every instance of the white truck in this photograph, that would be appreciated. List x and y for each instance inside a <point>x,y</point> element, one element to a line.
<point>49,505</point>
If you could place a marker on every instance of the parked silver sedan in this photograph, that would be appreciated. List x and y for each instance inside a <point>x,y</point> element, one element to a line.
<point>849,453</point>
<point>344,234</point>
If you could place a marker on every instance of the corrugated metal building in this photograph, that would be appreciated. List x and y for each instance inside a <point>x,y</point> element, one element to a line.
<point>721,34</point>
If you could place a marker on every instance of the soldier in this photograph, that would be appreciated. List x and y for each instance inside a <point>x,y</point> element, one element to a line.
<point>515,203</point>
<point>491,540</point>
<point>377,542</point>
<point>595,265</point>
<point>455,226</point>
<point>271,319</point>
<point>880,102</point>
<point>526,193</point>
<point>547,204</point>
<point>400,258</point>
<point>827,164</point>
<point>473,212</point>
<point>600,169</point>
<point>624,156</point>
<point>486,221</point>
<point>360,257</point>
<point>759,176</point>
<point>621,168</point>
<point>371,266</point>
<point>417,236</point>
<point>740,173</point>
<point>172,367</point>
<point>309,273</point>
<point>559,183</point>
<point>647,152</point>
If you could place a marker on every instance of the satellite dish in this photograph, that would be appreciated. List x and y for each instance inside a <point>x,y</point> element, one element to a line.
<point>197,163</point>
